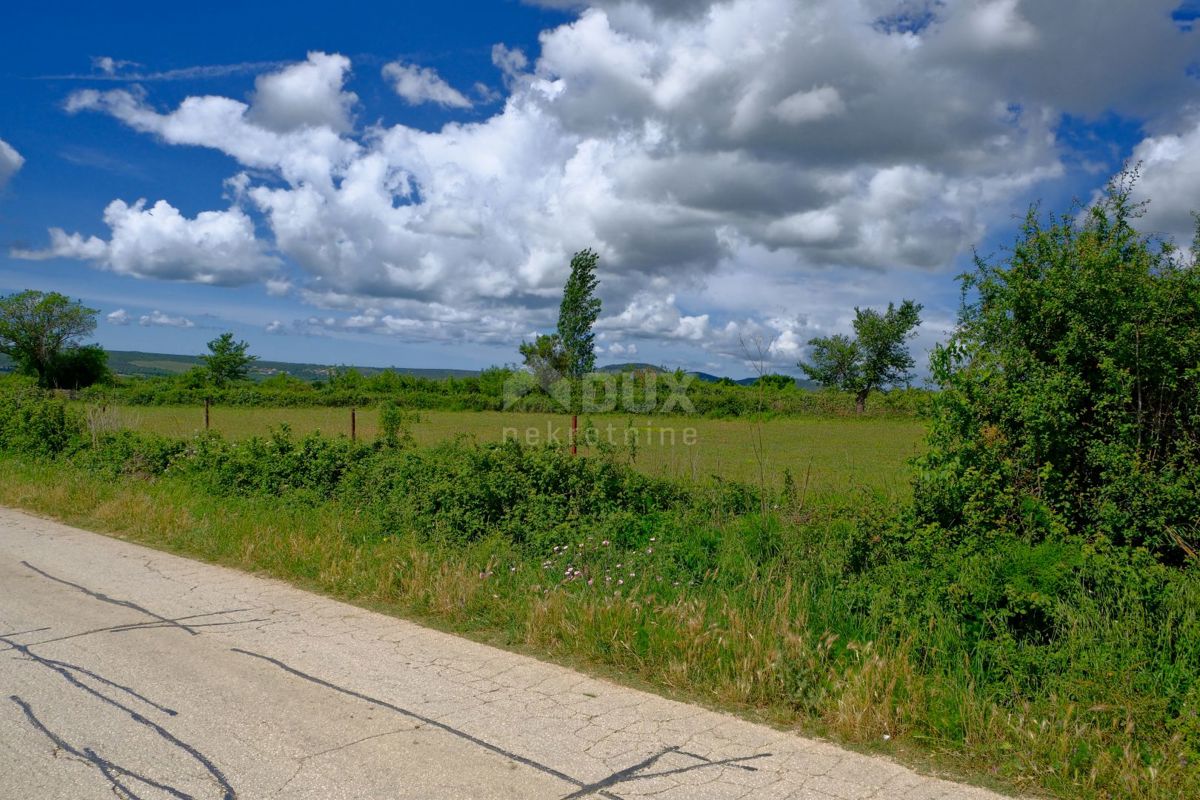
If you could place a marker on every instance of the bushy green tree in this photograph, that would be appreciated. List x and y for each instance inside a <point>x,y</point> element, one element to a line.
<point>38,329</point>
<point>875,358</point>
<point>79,367</point>
<point>227,360</point>
<point>1070,391</point>
<point>545,358</point>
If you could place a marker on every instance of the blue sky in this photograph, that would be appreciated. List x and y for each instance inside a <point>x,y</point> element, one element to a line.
<point>404,183</point>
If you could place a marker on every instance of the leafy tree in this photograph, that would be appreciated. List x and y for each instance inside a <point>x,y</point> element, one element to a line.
<point>876,357</point>
<point>227,360</point>
<point>546,358</point>
<point>79,367</point>
<point>578,313</point>
<point>38,328</point>
<point>1070,390</point>
<point>570,351</point>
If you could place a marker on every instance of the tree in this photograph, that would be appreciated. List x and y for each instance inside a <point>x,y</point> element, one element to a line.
<point>570,352</point>
<point>546,359</point>
<point>1069,397</point>
<point>577,314</point>
<point>227,360</point>
<point>876,357</point>
<point>79,367</point>
<point>38,328</point>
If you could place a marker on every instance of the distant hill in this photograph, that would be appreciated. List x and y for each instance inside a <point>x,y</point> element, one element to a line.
<point>137,363</point>
<point>706,377</point>
<point>140,364</point>
<point>133,362</point>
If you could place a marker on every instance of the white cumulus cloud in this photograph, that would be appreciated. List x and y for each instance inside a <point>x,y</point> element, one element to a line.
<point>308,94</point>
<point>423,85</point>
<point>216,247</point>
<point>1170,180</point>
<point>164,320</point>
<point>10,162</point>
<point>118,317</point>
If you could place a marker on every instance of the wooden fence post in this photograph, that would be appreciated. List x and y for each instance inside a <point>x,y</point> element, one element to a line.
<point>353,425</point>
<point>207,403</point>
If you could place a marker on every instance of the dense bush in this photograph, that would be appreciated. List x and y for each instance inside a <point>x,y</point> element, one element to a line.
<point>1070,393</point>
<point>35,422</point>
<point>530,495</point>
<point>1050,551</point>
<point>275,465</point>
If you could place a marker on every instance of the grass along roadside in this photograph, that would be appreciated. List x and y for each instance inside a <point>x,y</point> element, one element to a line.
<point>833,454</point>
<point>785,646</point>
<point>724,652</point>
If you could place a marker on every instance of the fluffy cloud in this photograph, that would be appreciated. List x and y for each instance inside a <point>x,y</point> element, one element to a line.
<point>118,317</point>
<point>217,247</point>
<point>744,167</point>
<point>423,85</point>
<point>618,349</point>
<point>10,162</point>
<point>654,317</point>
<point>164,320</point>
<point>1170,180</point>
<point>305,95</point>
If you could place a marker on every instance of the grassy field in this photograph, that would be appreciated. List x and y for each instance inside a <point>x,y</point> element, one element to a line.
<point>831,455</point>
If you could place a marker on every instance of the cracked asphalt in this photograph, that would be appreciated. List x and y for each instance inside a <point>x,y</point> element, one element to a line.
<point>132,673</point>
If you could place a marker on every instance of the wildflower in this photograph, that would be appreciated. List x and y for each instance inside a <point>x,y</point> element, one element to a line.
<point>620,581</point>
<point>605,543</point>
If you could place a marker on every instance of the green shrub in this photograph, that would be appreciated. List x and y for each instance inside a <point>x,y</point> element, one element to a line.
<point>36,422</point>
<point>462,491</point>
<point>1070,392</point>
<point>274,465</point>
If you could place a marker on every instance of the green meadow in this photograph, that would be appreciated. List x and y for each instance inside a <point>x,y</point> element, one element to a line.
<point>826,454</point>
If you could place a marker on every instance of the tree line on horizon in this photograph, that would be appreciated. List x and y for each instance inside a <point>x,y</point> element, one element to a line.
<point>42,332</point>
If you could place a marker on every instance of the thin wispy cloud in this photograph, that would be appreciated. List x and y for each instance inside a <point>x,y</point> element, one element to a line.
<point>110,69</point>
<point>84,156</point>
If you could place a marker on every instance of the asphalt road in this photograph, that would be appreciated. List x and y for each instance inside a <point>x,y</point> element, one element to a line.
<point>131,673</point>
